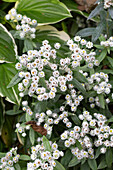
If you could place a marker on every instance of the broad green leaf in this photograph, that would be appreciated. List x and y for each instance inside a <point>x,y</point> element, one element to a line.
<point>110,60</point>
<point>32,136</point>
<point>109,157</point>
<point>46,144</point>
<point>98,31</point>
<point>102,164</point>
<point>45,12</point>
<point>8,49</point>
<point>25,157</point>
<point>101,101</point>
<point>28,45</point>
<point>92,164</point>
<point>59,166</point>
<point>96,11</point>
<point>102,55</point>
<point>74,162</point>
<point>16,79</point>
<point>7,72</point>
<point>2,113</point>
<point>86,32</point>
<point>79,86</point>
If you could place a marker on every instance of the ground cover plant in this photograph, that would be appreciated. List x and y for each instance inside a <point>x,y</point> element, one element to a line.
<point>56,85</point>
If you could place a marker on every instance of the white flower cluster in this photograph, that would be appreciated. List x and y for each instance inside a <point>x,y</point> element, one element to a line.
<point>25,26</point>
<point>11,158</point>
<point>108,3</point>
<point>22,129</point>
<point>79,53</point>
<point>43,159</point>
<point>100,83</point>
<point>94,101</point>
<point>108,43</point>
<point>79,138</point>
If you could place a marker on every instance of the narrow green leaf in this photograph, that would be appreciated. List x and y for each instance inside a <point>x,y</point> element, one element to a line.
<point>12,112</point>
<point>79,86</point>
<point>28,117</point>
<point>110,60</point>
<point>2,154</point>
<point>92,164</point>
<point>32,136</point>
<point>66,158</point>
<point>16,79</point>
<point>75,119</point>
<point>86,32</point>
<point>109,157</point>
<point>102,164</point>
<point>59,166</point>
<point>96,11</point>
<point>101,100</point>
<point>84,166</point>
<point>102,55</point>
<point>110,10</point>
<point>17,166</point>
<point>46,144</point>
<point>25,157</point>
<point>74,162</point>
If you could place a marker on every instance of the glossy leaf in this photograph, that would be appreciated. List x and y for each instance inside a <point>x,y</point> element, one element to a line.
<point>7,72</point>
<point>8,49</point>
<point>45,12</point>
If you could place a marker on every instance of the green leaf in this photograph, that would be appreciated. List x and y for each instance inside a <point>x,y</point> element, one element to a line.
<point>45,12</point>
<point>7,72</point>
<point>46,144</point>
<point>66,158</point>
<point>98,31</point>
<point>2,113</point>
<point>101,101</point>
<point>25,157</point>
<point>110,60</point>
<point>28,45</point>
<point>102,164</point>
<point>109,157</point>
<point>80,77</point>
<point>10,0</point>
<point>12,112</point>
<point>110,120</point>
<point>79,145</point>
<point>16,79</point>
<point>40,107</point>
<point>96,11</point>
<point>86,32</point>
<point>75,119</point>
<point>97,152</point>
<point>110,10</point>
<point>58,166</point>
<point>102,55</point>
<point>8,49</point>
<point>32,136</point>
<point>17,166</point>
<point>2,154</point>
<point>84,166</point>
<point>92,164</point>
<point>74,7</point>
<point>74,162</point>
<point>79,86</point>
<point>28,117</point>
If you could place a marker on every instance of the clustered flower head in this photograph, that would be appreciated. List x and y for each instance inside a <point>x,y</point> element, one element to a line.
<point>107,43</point>
<point>25,26</point>
<point>79,52</point>
<point>11,158</point>
<point>93,132</point>
<point>108,3</point>
<point>22,129</point>
<point>100,83</point>
<point>42,158</point>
